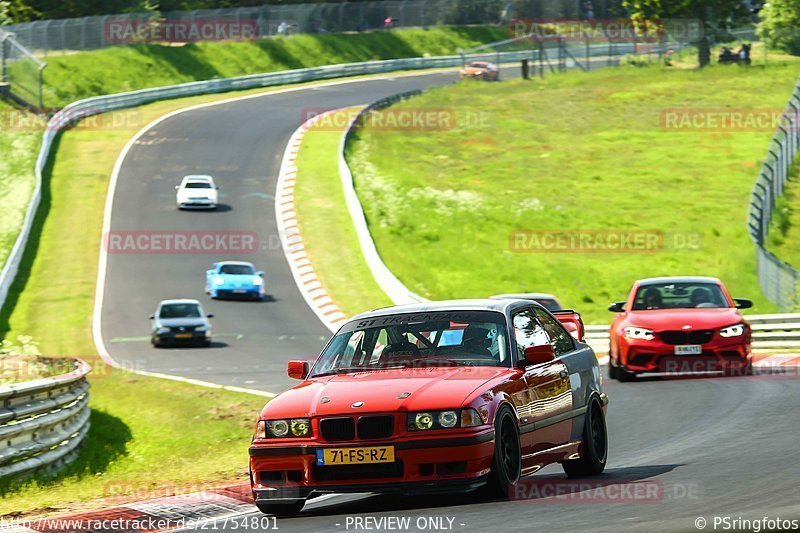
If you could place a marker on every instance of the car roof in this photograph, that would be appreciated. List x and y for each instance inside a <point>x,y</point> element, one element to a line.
<point>524,296</point>
<point>484,304</point>
<point>179,301</point>
<point>243,263</point>
<point>678,279</point>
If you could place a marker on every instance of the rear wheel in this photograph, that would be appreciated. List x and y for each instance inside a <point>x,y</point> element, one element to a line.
<point>594,447</point>
<point>507,460</point>
<point>282,510</point>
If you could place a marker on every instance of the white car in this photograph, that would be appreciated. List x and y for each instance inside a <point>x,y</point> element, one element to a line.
<point>197,191</point>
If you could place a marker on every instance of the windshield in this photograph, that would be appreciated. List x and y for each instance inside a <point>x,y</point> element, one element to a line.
<point>236,270</point>
<point>198,185</point>
<point>679,296</point>
<point>452,338</point>
<point>180,311</point>
<point>549,304</point>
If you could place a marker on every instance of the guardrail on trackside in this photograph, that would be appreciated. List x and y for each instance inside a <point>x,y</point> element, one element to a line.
<point>43,421</point>
<point>101,104</point>
<point>778,331</point>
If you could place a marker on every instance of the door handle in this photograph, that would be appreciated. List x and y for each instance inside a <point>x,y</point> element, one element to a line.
<point>563,374</point>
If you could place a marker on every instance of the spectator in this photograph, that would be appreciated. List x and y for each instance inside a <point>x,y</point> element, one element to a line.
<point>283,28</point>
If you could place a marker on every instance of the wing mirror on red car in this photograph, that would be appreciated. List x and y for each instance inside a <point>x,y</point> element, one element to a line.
<point>743,303</point>
<point>617,307</point>
<point>543,353</point>
<point>297,369</point>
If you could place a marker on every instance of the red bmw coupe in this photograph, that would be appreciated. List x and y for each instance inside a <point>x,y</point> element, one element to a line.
<point>679,325</point>
<point>433,397</point>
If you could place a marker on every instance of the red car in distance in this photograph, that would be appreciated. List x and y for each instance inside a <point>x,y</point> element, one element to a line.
<point>679,325</point>
<point>438,397</point>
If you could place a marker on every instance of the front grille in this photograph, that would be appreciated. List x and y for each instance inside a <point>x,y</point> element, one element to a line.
<point>335,429</point>
<point>375,427</point>
<point>363,471</point>
<point>182,329</point>
<point>700,336</point>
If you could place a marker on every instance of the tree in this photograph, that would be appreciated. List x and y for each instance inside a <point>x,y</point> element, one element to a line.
<point>714,16</point>
<point>780,25</point>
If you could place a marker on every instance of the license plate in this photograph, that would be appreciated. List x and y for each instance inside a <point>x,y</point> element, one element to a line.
<point>350,456</point>
<point>239,291</point>
<point>689,349</point>
<point>183,335</point>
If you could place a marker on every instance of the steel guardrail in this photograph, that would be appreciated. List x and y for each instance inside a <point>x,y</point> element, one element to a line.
<point>43,421</point>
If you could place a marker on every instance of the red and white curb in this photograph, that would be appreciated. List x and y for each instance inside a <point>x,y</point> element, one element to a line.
<point>310,286</point>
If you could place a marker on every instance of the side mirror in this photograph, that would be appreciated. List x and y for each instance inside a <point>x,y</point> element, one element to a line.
<point>210,315</point>
<point>535,355</point>
<point>152,317</point>
<point>617,307</point>
<point>177,187</point>
<point>743,303</point>
<point>297,369</point>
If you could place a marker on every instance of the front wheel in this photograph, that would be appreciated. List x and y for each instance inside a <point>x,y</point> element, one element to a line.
<point>507,460</point>
<point>594,447</point>
<point>282,510</point>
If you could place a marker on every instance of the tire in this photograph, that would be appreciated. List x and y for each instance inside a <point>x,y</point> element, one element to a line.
<point>281,510</point>
<point>594,445</point>
<point>613,370</point>
<point>507,460</point>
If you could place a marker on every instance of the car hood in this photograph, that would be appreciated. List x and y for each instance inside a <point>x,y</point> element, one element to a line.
<point>669,319</point>
<point>177,322</point>
<point>408,389</point>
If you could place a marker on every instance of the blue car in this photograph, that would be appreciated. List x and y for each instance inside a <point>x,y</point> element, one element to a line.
<point>235,279</point>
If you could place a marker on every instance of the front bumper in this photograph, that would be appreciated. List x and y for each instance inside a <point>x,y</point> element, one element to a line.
<point>656,356</point>
<point>197,204</point>
<point>171,338</point>
<point>290,472</point>
<point>238,292</point>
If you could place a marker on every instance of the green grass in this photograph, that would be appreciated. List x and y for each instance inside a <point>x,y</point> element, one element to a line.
<point>126,68</point>
<point>578,151</point>
<point>18,148</point>
<point>140,426</point>
<point>327,229</point>
<point>784,232</point>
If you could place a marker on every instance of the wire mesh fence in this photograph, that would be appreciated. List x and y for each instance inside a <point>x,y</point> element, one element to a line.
<point>778,279</point>
<point>21,70</point>
<point>90,33</point>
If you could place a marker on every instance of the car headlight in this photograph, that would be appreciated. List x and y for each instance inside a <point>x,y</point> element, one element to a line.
<point>219,281</point>
<point>635,332</point>
<point>258,282</point>
<point>294,427</point>
<point>732,331</point>
<point>443,419</point>
<point>162,330</point>
<point>200,329</point>
<point>261,430</point>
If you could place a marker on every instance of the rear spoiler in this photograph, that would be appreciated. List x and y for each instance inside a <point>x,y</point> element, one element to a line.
<point>572,321</point>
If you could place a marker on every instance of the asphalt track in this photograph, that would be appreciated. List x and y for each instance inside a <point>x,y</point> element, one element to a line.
<point>702,447</point>
<point>679,450</point>
<point>241,144</point>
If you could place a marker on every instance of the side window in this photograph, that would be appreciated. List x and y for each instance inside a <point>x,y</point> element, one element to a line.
<point>559,337</point>
<point>353,352</point>
<point>528,331</point>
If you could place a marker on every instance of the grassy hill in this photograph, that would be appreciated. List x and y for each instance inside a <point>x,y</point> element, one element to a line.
<point>581,154</point>
<point>127,68</point>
